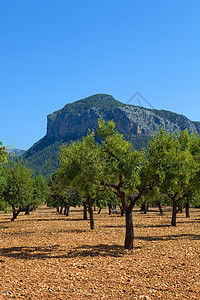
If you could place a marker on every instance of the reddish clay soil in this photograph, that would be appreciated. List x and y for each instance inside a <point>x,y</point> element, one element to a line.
<point>50,256</point>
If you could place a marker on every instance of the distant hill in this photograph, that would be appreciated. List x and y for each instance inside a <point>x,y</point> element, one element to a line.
<point>16,152</point>
<point>73,120</point>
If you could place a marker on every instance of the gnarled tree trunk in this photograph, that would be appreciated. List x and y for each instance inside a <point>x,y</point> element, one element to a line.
<point>27,210</point>
<point>61,209</point>
<point>160,207</point>
<point>144,207</point>
<point>84,211</point>
<point>15,213</point>
<point>122,210</point>
<point>90,212</point>
<point>129,230</point>
<point>187,209</point>
<point>66,210</point>
<point>173,222</point>
<point>109,208</point>
<point>180,208</point>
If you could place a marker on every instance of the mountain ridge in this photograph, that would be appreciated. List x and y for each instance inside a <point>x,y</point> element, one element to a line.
<point>16,152</point>
<point>74,119</point>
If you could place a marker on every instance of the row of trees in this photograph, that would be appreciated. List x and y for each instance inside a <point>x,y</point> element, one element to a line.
<point>108,173</point>
<point>19,189</point>
<point>99,173</point>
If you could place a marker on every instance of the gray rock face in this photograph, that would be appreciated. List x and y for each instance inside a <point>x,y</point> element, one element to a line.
<point>139,121</point>
<point>129,119</point>
<point>76,125</point>
<point>72,122</point>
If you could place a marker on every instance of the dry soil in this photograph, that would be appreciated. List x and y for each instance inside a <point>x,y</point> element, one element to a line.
<point>50,256</point>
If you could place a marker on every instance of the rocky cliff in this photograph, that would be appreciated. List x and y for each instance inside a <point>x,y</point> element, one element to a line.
<point>73,121</point>
<point>132,120</point>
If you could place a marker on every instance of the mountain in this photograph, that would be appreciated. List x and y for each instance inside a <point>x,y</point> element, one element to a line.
<point>15,152</point>
<point>73,120</point>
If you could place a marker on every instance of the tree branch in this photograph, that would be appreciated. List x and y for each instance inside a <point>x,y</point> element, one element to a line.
<point>121,182</point>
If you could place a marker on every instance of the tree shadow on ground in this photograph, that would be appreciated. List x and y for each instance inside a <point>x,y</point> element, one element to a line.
<point>165,225</point>
<point>148,216</point>
<point>71,231</point>
<point>32,253</point>
<point>98,250</point>
<point>188,221</point>
<point>152,226</point>
<point>148,226</point>
<point>26,233</point>
<point>54,232</point>
<point>169,237</point>
<point>28,253</point>
<point>107,216</point>
<point>114,226</point>
<point>5,220</point>
<point>137,226</point>
<point>64,218</point>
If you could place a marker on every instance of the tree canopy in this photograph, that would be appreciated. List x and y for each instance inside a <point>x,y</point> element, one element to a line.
<point>176,161</point>
<point>80,169</point>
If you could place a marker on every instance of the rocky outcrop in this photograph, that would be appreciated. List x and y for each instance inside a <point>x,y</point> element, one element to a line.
<point>67,125</point>
<point>129,119</point>
<point>72,122</point>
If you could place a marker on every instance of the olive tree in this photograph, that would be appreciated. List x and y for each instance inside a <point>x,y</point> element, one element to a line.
<point>80,168</point>
<point>126,172</point>
<point>61,196</point>
<point>171,155</point>
<point>18,190</point>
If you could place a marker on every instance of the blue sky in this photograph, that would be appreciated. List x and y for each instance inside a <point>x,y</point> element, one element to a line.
<point>53,52</point>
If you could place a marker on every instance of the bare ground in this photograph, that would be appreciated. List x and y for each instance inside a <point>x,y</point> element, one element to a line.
<point>49,256</point>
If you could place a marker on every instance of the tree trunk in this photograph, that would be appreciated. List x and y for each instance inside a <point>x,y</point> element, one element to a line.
<point>122,210</point>
<point>90,212</point>
<point>61,209</point>
<point>129,230</point>
<point>99,210</point>
<point>15,214</point>
<point>110,208</point>
<point>160,208</point>
<point>142,206</point>
<point>67,212</point>
<point>94,208</point>
<point>173,223</point>
<point>145,208</point>
<point>84,211</point>
<point>180,208</point>
<point>57,208</point>
<point>27,212</point>
<point>187,209</point>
